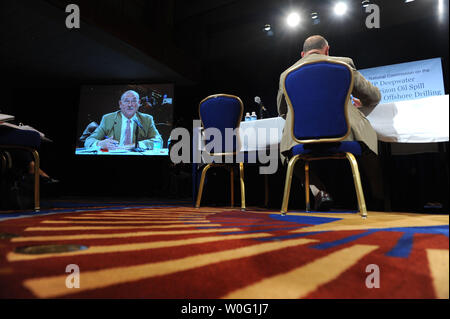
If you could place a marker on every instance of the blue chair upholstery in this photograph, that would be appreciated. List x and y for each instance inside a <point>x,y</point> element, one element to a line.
<point>317,94</point>
<point>13,139</point>
<point>328,149</point>
<point>315,99</point>
<point>221,112</point>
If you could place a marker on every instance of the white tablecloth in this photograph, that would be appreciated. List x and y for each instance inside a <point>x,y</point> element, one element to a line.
<point>261,134</point>
<point>415,121</point>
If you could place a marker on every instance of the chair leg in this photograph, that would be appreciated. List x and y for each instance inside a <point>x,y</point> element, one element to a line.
<point>308,204</point>
<point>36,180</point>
<point>200,189</point>
<point>232,186</point>
<point>287,184</point>
<point>358,185</point>
<point>241,171</point>
<point>4,163</point>
<point>8,160</point>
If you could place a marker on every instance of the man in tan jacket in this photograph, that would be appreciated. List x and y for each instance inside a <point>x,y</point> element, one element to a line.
<point>367,96</point>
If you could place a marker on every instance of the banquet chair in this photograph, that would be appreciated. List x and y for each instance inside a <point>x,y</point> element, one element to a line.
<point>15,139</point>
<point>222,112</point>
<point>317,96</point>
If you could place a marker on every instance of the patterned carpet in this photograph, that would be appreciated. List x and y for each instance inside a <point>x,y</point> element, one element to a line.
<point>174,252</point>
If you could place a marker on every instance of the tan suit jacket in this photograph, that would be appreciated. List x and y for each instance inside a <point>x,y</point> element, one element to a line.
<point>361,130</point>
<point>111,126</point>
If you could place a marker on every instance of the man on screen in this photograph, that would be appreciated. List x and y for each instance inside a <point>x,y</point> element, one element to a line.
<point>316,48</point>
<point>118,129</point>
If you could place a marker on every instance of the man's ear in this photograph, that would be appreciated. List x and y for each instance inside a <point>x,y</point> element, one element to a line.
<point>303,54</point>
<point>327,50</point>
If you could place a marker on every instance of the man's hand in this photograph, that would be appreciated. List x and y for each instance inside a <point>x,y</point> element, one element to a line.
<point>108,144</point>
<point>356,102</point>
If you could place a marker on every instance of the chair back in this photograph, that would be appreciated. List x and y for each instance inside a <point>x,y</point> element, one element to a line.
<point>317,94</point>
<point>222,111</point>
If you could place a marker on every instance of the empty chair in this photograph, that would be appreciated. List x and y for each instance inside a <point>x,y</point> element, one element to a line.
<point>217,114</point>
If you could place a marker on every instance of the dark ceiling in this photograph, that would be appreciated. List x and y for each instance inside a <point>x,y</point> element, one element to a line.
<point>211,42</point>
<point>231,26</point>
<point>238,56</point>
<point>35,42</point>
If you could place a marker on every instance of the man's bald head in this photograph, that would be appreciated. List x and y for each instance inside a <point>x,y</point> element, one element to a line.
<point>315,44</point>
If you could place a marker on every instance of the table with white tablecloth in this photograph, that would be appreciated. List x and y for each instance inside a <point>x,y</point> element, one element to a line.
<point>411,127</point>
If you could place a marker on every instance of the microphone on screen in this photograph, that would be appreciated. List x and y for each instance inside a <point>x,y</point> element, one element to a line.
<point>138,123</point>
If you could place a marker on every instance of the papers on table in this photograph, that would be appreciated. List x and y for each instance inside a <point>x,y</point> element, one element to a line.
<point>27,128</point>
<point>6,117</point>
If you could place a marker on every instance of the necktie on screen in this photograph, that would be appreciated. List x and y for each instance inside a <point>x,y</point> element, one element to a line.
<point>128,133</point>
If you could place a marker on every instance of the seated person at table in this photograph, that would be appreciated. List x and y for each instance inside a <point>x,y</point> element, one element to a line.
<point>366,95</point>
<point>118,129</point>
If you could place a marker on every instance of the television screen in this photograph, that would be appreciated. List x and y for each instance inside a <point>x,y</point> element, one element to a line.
<point>125,119</point>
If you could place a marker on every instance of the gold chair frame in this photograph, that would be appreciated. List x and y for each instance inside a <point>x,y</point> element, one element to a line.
<point>307,158</point>
<point>36,170</point>
<point>230,166</point>
<point>4,166</point>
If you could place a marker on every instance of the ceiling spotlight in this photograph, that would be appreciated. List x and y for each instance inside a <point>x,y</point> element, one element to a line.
<point>293,19</point>
<point>406,1</point>
<point>441,8</point>
<point>340,8</point>
<point>315,18</point>
<point>365,3</point>
<point>268,30</point>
